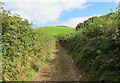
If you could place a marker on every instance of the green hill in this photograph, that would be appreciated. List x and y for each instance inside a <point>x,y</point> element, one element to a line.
<point>55,30</point>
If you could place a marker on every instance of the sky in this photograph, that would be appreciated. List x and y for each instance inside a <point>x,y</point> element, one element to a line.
<point>58,12</point>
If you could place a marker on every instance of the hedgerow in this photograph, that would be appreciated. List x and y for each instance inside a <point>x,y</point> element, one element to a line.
<point>24,50</point>
<point>95,47</point>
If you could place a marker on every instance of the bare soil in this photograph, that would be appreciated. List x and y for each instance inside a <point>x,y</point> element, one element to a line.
<point>60,67</point>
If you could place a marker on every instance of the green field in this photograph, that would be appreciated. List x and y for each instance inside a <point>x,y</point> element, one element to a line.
<point>55,30</point>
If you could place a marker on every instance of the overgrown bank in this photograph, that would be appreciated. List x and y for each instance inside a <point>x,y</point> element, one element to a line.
<point>95,47</point>
<point>24,50</point>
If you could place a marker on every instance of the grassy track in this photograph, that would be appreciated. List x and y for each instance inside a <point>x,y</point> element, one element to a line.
<point>59,67</point>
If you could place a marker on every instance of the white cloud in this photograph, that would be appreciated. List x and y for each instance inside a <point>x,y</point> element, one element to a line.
<point>59,0</point>
<point>74,21</point>
<point>42,11</point>
<point>102,0</point>
<point>118,1</point>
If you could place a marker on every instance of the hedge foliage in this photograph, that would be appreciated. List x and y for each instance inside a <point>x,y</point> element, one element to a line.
<point>95,48</point>
<point>24,50</point>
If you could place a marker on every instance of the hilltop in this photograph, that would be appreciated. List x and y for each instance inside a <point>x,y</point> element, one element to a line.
<point>55,30</point>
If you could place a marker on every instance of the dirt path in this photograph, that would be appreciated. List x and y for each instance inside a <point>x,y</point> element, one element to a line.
<point>60,67</point>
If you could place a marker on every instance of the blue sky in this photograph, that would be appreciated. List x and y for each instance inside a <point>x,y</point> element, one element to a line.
<point>59,12</point>
<point>93,9</point>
